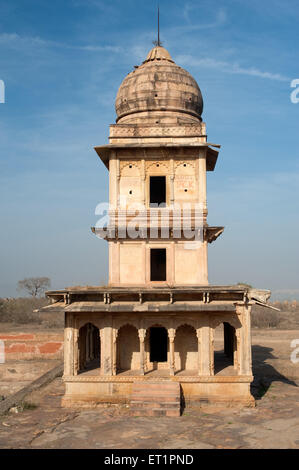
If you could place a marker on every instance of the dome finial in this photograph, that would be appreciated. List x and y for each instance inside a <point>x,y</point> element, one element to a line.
<point>158,42</point>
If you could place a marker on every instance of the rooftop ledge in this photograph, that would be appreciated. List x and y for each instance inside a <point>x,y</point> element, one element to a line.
<point>104,151</point>
<point>191,296</point>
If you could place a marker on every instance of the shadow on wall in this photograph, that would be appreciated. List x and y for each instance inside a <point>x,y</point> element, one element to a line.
<point>264,373</point>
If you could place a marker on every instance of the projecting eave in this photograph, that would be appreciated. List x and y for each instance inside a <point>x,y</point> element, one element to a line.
<point>133,298</point>
<point>104,151</point>
<point>210,234</point>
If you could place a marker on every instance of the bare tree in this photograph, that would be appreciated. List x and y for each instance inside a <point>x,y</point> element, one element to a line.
<point>35,286</point>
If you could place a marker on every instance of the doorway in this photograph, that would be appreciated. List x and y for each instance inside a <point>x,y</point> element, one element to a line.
<point>89,345</point>
<point>158,344</point>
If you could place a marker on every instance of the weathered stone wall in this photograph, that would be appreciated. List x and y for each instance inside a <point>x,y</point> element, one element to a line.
<point>186,348</point>
<point>128,348</point>
<point>32,345</point>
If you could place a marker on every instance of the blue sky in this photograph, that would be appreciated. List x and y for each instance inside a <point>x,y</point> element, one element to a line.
<point>62,63</point>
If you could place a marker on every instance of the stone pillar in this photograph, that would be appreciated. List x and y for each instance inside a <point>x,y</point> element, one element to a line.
<point>212,365</point>
<point>171,336</point>
<point>141,334</point>
<point>202,179</point>
<point>68,345</point>
<point>114,357</point>
<point>236,358</point>
<point>143,176</point>
<point>198,334</point>
<point>107,348</point>
<point>87,344</point>
<point>206,350</point>
<point>244,344</point>
<point>171,190</point>
<point>171,183</point>
<point>76,351</point>
<point>113,180</point>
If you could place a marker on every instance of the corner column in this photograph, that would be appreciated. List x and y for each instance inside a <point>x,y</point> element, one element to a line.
<point>205,345</point>
<point>107,348</point>
<point>68,345</point>
<point>75,351</point>
<point>114,347</point>
<point>244,344</point>
<point>171,336</point>
<point>141,334</point>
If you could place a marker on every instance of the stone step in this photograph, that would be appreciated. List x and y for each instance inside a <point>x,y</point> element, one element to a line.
<point>156,399</point>
<point>156,412</point>
<point>159,395</point>
<point>154,404</point>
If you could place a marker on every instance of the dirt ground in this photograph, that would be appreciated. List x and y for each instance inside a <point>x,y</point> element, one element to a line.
<point>15,375</point>
<point>273,423</point>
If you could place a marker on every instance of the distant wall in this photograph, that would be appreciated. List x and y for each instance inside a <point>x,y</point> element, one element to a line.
<point>32,345</point>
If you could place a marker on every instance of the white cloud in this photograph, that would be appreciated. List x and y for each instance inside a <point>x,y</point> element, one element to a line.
<point>16,41</point>
<point>233,68</point>
<point>219,20</point>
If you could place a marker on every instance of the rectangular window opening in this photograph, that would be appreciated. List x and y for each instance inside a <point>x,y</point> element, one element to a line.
<point>158,264</point>
<point>158,190</point>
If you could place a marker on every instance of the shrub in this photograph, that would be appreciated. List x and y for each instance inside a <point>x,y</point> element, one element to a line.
<point>21,310</point>
<point>264,318</point>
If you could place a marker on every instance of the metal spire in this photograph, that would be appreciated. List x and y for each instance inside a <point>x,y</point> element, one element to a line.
<point>158,42</point>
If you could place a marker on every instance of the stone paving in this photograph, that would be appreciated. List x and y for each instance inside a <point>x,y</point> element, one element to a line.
<point>273,423</point>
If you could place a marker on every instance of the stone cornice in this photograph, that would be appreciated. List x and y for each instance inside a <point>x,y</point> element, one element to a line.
<point>210,234</point>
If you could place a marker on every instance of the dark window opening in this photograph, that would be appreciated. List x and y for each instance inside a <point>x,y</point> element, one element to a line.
<point>157,190</point>
<point>158,344</point>
<point>158,264</point>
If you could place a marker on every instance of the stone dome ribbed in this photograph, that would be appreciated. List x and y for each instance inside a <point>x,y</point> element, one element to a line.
<point>158,87</point>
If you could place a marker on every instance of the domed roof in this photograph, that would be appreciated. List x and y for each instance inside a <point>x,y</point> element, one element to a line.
<point>158,88</point>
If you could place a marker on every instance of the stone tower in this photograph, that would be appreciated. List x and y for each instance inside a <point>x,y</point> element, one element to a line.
<point>157,158</point>
<point>152,331</point>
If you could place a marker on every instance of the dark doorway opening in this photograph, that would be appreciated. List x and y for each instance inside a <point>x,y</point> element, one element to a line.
<point>225,346</point>
<point>89,345</point>
<point>158,344</point>
<point>158,264</point>
<point>157,190</point>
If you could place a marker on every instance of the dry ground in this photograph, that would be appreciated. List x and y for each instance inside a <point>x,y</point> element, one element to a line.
<point>273,423</point>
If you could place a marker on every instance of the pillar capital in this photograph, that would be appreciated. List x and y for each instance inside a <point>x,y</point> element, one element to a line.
<point>171,334</point>
<point>141,334</point>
